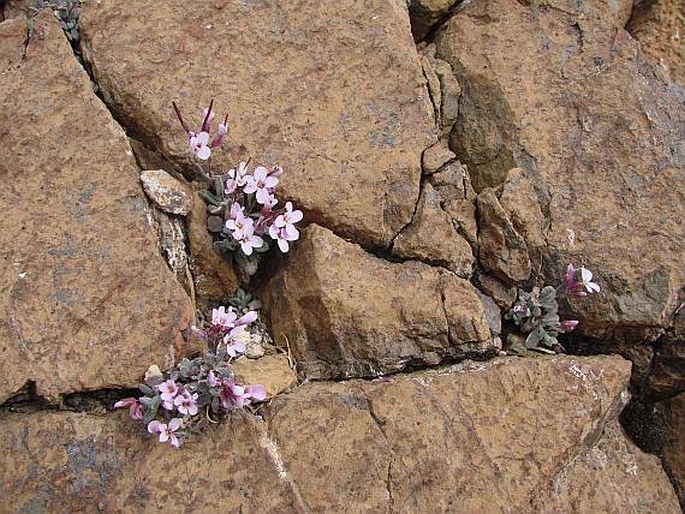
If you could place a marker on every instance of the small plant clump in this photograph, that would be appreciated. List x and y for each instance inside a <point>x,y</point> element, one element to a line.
<point>201,390</point>
<point>536,313</point>
<point>244,216</point>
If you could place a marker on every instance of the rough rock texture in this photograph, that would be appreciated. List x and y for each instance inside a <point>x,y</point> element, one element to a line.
<point>86,300</point>
<point>425,14</point>
<point>564,93</point>
<point>659,27</point>
<point>314,90</point>
<point>214,278</point>
<point>346,313</point>
<point>501,248</point>
<point>432,237</point>
<point>672,412</point>
<point>436,156</point>
<point>67,462</point>
<point>443,88</point>
<point>168,193</point>
<point>667,373</point>
<point>613,477</point>
<point>478,438</point>
<point>272,371</point>
<point>520,201</point>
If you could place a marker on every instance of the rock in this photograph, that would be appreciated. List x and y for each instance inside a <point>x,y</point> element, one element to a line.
<point>519,200</point>
<point>613,476</point>
<point>432,237</point>
<point>272,371</point>
<point>424,14</point>
<point>67,462</point>
<point>503,295</point>
<point>215,279</point>
<point>335,96</point>
<point>667,375</point>
<point>501,249</point>
<point>346,313</point>
<point>446,100</point>
<point>172,243</point>
<point>436,156</point>
<point>492,314</point>
<point>168,193</point>
<point>672,413</point>
<point>479,437</point>
<point>87,301</point>
<point>572,102</point>
<point>658,26</point>
<point>458,199</point>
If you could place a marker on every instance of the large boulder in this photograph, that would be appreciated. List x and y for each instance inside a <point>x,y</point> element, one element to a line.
<point>347,313</point>
<point>561,90</point>
<point>481,437</point>
<point>335,95</point>
<point>86,300</point>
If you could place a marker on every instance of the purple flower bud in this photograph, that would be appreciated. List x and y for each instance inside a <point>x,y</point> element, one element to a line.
<point>568,325</point>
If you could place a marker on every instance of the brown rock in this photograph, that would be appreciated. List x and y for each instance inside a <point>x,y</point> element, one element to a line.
<point>214,278</point>
<point>168,193</point>
<point>503,295</point>
<point>346,313</point>
<point>272,371</point>
<point>613,477</point>
<point>436,156</point>
<point>87,301</point>
<point>66,462</point>
<point>479,437</point>
<point>432,237</point>
<point>444,89</point>
<point>571,101</point>
<point>424,14</point>
<point>501,249</point>
<point>316,91</point>
<point>672,412</point>
<point>658,26</point>
<point>453,184</point>
<point>519,200</point>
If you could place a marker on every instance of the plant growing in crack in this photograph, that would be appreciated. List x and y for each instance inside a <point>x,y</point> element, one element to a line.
<point>198,391</point>
<point>536,313</point>
<point>242,204</point>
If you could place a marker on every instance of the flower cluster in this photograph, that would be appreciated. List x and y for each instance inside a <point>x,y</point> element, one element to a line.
<point>536,313</point>
<point>199,390</point>
<point>245,215</point>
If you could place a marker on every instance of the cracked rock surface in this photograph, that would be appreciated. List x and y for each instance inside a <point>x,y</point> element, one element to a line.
<point>86,299</point>
<point>316,89</point>
<point>424,442</point>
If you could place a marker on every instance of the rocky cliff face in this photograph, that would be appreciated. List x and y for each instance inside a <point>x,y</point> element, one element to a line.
<point>439,171</point>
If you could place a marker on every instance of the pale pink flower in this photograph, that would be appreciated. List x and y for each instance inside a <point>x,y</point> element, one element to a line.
<point>276,171</point>
<point>186,403</point>
<point>282,237</point>
<point>169,390</point>
<point>221,134</point>
<point>568,325</point>
<point>225,318</point>
<point>135,408</point>
<point>240,227</point>
<point>256,391</point>
<point>166,432</point>
<point>232,395</point>
<point>261,183</point>
<point>235,341</point>
<point>212,380</point>
<point>199,145</point>
<point>573,288</point>
<point>237,177</point>
<point>586,276</point>
<point>249,239</point>
<point>288,219</point>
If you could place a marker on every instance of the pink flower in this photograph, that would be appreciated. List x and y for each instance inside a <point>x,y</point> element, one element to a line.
<point>248,239</point>
<point>256,391</point>
<point>282,237</point>
<point>261,183</point>
<point>199,145</point>
<point>237,178</point>
<point>135,408</point>
<point>221,134</point>
<point>276,171</point>
<point>169,390</point>
<point>235,341</point>
<point>166,433</point>
<point>232,395</point>
<point>240,226</point>
<point>212,380</point>
<point>568,325</point>
<point>224,317</point>
<point>288,219</point>
<point>186,403</point>
<point>586,276</point>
